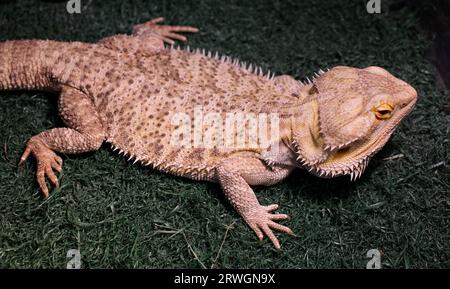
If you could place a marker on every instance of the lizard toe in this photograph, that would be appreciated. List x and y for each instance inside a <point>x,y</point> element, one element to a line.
<point>47,161</point>
<point>261,221</point>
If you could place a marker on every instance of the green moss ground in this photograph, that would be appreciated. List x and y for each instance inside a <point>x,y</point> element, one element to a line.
<point>125,216</point>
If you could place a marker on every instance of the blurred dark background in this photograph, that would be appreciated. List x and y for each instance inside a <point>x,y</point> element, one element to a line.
<point>434,22</point>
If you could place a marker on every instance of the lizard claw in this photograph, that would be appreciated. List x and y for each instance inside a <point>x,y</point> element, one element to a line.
<point>261,220</point>
<point>47,161</point>
<point>165,32</point>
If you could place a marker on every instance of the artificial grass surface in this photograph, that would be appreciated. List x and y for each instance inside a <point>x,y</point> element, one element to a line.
<point>120,215</point>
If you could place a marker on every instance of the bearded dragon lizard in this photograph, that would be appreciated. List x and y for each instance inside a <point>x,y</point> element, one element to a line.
<point>128,90</point>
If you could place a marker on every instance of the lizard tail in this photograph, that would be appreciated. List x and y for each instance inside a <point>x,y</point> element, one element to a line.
<point>24,64</point>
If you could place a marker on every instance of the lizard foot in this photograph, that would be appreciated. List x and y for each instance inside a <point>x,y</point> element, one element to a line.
<point>47,161</point>
<point>261,220</point>
<point>165,32</point>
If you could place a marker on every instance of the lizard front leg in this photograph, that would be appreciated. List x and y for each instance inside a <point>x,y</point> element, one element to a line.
<point>85,133</point>
<point>235,176</point>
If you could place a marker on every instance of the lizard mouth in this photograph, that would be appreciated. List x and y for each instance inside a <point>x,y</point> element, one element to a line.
<point>353,159</point>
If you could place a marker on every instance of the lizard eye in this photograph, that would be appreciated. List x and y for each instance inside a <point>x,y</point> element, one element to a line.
<point>383,111</point>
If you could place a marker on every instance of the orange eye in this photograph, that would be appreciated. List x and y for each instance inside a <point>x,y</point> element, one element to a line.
<point>383,111</point>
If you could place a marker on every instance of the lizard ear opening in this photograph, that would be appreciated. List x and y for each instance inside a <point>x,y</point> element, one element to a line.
<point>308,142</point>
<point>341,109</point>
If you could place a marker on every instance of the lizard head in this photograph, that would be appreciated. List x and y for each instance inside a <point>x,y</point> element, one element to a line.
<point>352,113</point>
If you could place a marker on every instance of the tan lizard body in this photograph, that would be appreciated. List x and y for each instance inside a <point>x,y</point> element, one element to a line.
<point>159,105</point>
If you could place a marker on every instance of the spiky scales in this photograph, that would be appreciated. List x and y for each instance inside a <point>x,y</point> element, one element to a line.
<point>136,94</point>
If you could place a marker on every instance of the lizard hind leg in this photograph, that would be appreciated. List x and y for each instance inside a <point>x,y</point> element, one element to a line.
<point>147,38</point>
<point>165,33</point>
<point>47,161</point>
<point>85,133</point>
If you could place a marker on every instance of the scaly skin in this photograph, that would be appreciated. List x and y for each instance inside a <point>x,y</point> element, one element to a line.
<point>127,90</point>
